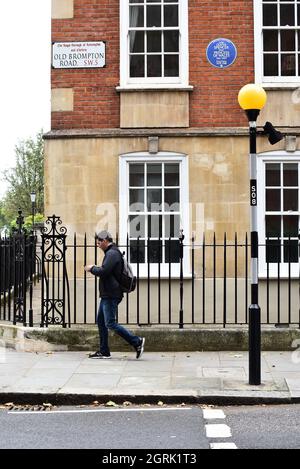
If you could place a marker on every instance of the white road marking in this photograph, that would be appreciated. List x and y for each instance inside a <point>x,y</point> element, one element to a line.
<point>218,431</point>
<point>89,411</point>
<point>223,446</point>
<point>209,414</point>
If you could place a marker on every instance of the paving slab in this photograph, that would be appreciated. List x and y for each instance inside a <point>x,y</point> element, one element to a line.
<point>174,376</point>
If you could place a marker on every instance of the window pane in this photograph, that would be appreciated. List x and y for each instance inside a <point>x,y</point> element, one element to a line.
<point>154,200</point>
<point>171,65</point>
<point>137,41</point>
<point>273,251</point>
<point>153,16</point>
<point>291,251</point>
<point>273,174</point>
<point>137,66</point>
<point>136,16</point>
<point>155,226</point>
<point>154,175</point>
<point>270,65</point>
<point>270,15</point>
<point>172,200</point>
<point>172,226</point>
<point>290,225</point>
<point>171,15</point>
<point>288,65</point>
<point>154,41</point>
<point>273,200</point>
<point>137,226</point>
<point>290,199</point>
<point>270,41</point>
<point>171,39</point>
<point>298,14</point>
<point>288,42</point>
<point>287,15</point>
<point>136,175</point>
<point>136,200</point>
<point>273,226</point>
<point>172,251</point>
<point>137,251</point>
<point>155,251</point>
<point>171,174</point>
<point>154,66</point>
<point>290,174</point>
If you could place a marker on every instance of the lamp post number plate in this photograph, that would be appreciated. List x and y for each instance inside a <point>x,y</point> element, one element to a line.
<point>253,192</point>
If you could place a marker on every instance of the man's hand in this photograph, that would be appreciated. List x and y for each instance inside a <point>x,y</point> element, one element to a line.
<point>88,268</point>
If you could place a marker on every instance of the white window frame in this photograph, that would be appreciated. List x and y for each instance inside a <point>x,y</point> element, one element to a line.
<point>161,82</point>
<point>160,157</point>
<point>272,157</point>
<point>269,82</point>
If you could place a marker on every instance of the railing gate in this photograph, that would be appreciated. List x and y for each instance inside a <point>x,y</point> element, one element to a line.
<point>54,274</point>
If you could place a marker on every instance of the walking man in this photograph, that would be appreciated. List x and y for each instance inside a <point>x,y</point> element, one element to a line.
<point>111,295</point>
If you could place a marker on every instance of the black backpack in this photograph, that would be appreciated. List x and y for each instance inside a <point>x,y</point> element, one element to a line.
<point>127,280</point>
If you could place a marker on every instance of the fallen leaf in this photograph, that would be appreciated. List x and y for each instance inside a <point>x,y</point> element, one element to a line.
<point>111,404</point>
<point>160,403</point>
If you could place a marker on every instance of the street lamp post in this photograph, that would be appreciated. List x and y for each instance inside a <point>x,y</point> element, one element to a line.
<point>33,199</point>
<point>32,258</point>
<point>252,99</point>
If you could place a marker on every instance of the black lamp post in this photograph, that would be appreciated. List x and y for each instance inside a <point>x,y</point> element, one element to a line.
<point>33,199</point>
<point>252,99</point>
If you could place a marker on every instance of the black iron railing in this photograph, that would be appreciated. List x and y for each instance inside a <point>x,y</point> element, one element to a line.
<point>202,283</point>
<point>19,272</point>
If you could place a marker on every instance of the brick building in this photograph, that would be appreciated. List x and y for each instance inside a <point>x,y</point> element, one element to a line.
<point>155,141</point>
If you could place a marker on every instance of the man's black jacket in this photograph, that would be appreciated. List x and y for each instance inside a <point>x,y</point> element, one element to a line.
<point>109,272</point>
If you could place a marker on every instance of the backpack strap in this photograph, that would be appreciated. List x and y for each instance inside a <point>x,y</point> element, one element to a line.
<point>122,261</point>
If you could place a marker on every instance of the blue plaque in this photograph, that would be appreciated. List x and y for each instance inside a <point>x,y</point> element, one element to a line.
<point>221,53</point>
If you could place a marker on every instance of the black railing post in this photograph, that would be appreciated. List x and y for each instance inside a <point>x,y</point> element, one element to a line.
<point>31,267</point>
<point>299,275</point>
<point>193,279</point>
<point>181,238</point>
<point>138,283</point>
<point>225,282</point>
<point>19,241</point>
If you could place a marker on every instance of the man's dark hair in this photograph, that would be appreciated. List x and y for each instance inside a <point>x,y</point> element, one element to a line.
<point>104,235</point>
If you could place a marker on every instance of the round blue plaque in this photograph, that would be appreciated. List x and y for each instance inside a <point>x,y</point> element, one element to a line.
<point>221,53</point>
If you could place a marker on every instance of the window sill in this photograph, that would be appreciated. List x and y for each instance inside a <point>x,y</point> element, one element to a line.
<point>154,273</point>
<point>283,275</point>
<point>166,277</point>
<point>154,87</point>
<point>280,86</point>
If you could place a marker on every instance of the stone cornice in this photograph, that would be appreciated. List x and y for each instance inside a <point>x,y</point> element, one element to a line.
<point>191,132</point>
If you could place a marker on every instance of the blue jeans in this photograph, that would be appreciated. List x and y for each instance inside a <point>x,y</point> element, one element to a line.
<point>106,319</point>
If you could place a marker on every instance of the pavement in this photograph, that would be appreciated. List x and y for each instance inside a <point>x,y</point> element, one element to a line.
<point>170,377</point>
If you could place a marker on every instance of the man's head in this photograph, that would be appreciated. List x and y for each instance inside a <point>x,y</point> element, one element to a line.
<point>104,238</point>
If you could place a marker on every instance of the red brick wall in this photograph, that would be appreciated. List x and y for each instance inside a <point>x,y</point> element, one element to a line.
<point>213,102</point>
<point>96,102</point>
<point>214,99</point>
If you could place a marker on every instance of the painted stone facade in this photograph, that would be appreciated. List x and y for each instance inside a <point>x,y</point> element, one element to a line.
<point>95,120</point>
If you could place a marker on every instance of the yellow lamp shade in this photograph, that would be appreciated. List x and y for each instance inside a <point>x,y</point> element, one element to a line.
<point>252,97</point>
